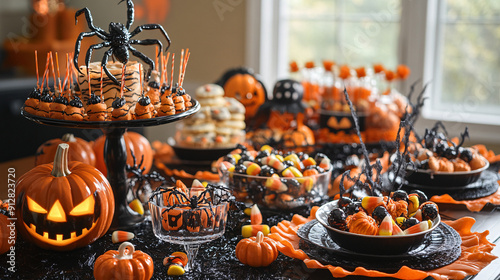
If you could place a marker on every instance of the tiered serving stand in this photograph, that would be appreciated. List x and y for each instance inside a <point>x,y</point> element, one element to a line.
<point>115,155</point>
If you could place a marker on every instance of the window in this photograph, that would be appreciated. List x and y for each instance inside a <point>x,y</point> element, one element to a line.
<point>453,44</point>
<point>465,64</point>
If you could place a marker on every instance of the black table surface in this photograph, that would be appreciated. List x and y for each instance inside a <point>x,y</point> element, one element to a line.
<point>215,260</point>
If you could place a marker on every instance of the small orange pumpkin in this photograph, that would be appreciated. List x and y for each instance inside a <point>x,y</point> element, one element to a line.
<point>134,142</point>
<point>63,206</point>
<point>362,223</point>
<point>124,264</point>
<point>80,150</point>
<point>257,251</point>
<point>6,238</point>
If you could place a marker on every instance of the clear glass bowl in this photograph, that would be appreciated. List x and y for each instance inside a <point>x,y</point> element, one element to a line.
<point>296,192</point>
<point>187,224</point>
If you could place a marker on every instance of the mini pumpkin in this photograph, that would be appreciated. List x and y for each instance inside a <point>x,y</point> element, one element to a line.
<point>63,206</point>
<point>124,264</point>
<point>242,84</point>
<point>257,251</point>
<point>6,238</point>
<point>134,142</point>
<point>362,223</point>
<point>80,150</point>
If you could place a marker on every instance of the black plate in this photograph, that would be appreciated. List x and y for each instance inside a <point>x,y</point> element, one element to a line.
<point>440,248</point>
<point>114,124</point>
<point>190,155</point>
<point>445,179</point>
<point>486,185</point>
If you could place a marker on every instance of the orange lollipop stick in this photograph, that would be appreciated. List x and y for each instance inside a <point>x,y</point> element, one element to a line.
<point>172,73</point>
<point>101,83</point>
<point>123,79</point>
<point>45,74</point>
<point>58,74</point>
<point>53,72</point>
<point>36,65</point>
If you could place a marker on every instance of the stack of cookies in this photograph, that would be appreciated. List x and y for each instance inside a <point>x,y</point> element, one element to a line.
<point>219,123</point>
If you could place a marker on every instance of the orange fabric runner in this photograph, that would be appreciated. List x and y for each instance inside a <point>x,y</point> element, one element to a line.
<point>200,175</point>
<point>474,205</point>
<point>476,252</point>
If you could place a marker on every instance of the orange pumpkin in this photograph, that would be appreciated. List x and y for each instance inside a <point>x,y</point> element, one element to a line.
<point>246,88</point>
<point>63,206</point>
<point>124,264</point>
<point>134,142</point>
<point>362,223</point>
<point>80,150</point>
<point>6,238</point>
<point>257,251</point>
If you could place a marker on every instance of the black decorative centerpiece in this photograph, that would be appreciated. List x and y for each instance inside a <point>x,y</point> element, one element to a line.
<point>92,111</point>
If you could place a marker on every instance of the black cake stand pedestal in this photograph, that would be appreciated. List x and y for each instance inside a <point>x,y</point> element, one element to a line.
<point>115,156</point>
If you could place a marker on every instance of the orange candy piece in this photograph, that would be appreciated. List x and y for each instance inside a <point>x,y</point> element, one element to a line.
<point>255,215</point>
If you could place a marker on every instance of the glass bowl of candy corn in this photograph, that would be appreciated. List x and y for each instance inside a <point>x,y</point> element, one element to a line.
<point>276,180</point>
<point>380,225</point>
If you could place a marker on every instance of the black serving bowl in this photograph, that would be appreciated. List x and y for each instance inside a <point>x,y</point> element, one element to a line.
<point>372,244</point>
<point>426,177</point>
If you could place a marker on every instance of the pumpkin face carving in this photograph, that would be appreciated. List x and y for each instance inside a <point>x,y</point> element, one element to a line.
<point>242,85</point>
<point>63,206</point>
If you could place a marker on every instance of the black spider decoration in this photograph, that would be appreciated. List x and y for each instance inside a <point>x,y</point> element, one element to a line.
<point>140,183</point>
<point>119,40</point>
<point>212,195</point>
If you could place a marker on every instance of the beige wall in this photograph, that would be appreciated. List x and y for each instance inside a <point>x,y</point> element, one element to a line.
<point>215,38</point>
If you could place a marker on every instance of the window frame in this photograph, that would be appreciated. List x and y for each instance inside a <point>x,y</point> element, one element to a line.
<point>417,48</point>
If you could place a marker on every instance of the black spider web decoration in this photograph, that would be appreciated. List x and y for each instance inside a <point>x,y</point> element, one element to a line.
<point>401,159</point>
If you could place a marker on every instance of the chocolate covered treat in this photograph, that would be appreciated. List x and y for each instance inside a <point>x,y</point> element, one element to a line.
<point>74,111</point>
<point>121,111</point>
<point>96,110</point>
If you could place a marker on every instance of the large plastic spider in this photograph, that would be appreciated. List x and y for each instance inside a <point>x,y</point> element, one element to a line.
<point>119,39</point>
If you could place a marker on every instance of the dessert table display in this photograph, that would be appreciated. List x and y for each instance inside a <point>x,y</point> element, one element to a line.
<point>341,214</point>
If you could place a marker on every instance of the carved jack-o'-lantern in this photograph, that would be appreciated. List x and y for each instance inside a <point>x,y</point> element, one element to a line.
<point>63,206</point>
<point>242,84</point>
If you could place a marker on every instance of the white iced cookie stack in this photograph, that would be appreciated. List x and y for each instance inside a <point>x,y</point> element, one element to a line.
<point>219,123</point>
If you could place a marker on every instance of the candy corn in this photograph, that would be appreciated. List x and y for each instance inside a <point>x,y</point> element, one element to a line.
<point>308,184</point>
<point>175,270</point>
<point>275,163</point>
<point>295,159</point>
<point>310,172</point>
<point>423,226</point>
<point>197,184</point>
<point>386,226</point>
<point>266,148</point>
<point>396,230</point>
<point>325,163</point>
<point>308,162</point>
<point>417,215</point>
<point>274,183</point>
<point>253,169</point>
<point>119,236</point>
<point>371,202</point>
<point>228,165</point>
<point>255,215</point>
<point>251,230</point>
<point>136,205</point>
